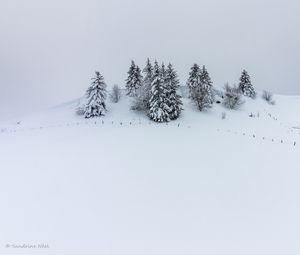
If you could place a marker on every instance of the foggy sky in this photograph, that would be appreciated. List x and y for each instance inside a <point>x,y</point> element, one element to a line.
<point>49,49</point>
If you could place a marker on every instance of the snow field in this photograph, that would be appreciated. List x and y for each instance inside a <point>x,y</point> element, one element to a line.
<point>198,188</point>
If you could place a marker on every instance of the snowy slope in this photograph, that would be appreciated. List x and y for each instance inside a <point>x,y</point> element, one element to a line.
<point>124,185</point>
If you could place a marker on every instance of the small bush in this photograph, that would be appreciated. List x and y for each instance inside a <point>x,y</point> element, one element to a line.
<point>217,92</point>
<point>232,97</point>
<point>203,97</point>
<point>80,107</point>
<point>268,96</point>
<point>80,110</point>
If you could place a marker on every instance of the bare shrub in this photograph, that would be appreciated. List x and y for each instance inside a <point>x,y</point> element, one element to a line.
<point>115,94</point>
<point>268,96</point>
<point>203,97</point>
<point>80,108</point>
<point>232,97</point>
<point>218,93</point>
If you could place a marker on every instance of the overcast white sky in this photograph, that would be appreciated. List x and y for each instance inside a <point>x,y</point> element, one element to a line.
<point>49,49</point>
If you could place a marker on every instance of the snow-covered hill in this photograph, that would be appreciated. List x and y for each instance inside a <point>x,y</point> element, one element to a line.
<point>122,184</point>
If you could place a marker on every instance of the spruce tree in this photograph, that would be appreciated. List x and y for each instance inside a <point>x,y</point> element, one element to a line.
<point>173,99</point>
<point>159,110</point>
<point>130,79</point>
<point>142,99</point>
<point>204,93</point>
<point>95,97</point>
<point>148,73</point>
<point>146,87</point>
<point>193,80</point>
<point>163,72</point>
<point>245,85</point>
<point>134,80</point>
<point>138,78</point>
<point>200,87</point>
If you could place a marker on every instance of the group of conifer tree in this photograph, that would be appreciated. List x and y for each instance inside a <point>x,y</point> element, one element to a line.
<point>200,87</point>
<point>155,91</point>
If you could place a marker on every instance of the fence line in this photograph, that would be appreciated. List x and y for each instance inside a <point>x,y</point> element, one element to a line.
<point>139,123</point>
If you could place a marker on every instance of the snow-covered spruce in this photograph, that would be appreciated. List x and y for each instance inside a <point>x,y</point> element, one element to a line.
<point>142,100</point>
<point>159,110</point>
<point>245,85</point>
<point>130,79</point>
<point>95,97</point>
<point>173,98</point>
<point>193,80</point>
<point>148,78</point>
<point>138,81</point>
<point>207,95</point>
<point>200,87</point>
<point>134,80</point>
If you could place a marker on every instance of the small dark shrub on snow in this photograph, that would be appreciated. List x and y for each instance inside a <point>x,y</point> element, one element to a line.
<point>232,97</point>
<point>268,96</point>
<point>80,107</point>
<point>80,111</point>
